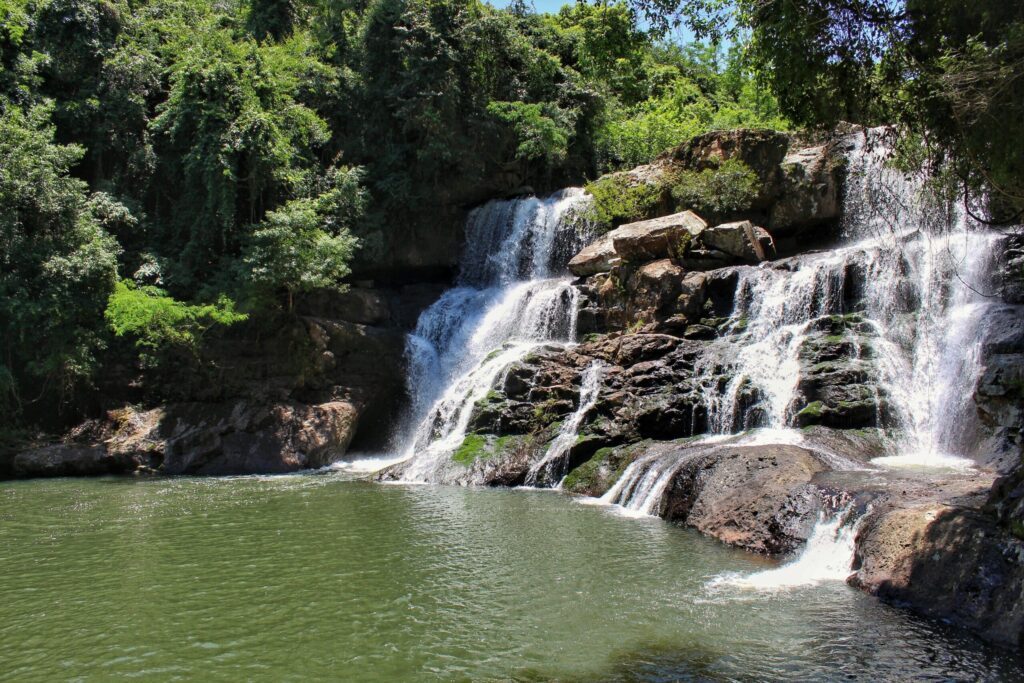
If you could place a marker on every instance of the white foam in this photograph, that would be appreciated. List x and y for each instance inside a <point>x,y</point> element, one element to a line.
<point>827,556</point>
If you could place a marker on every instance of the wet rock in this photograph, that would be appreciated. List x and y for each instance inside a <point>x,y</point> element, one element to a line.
<point>242,438</point>
<point>72,460</point>
<point>754,497</point>
<point>599,473</point>
<point>1011,269</point>
<point>838,385</point>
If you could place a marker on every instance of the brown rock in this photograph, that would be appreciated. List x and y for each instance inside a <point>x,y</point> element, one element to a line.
<point>754,497</point>
<point>70,460</point>
<point>597,257</point>
<point>656,238</point>
<point>742,240</point>
<point>948,563</point>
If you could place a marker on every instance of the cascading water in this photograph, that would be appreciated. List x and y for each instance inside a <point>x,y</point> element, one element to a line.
<point>827,556</point>
<point>915,269</point>
<point>508,300</point>
<point>554,465</point>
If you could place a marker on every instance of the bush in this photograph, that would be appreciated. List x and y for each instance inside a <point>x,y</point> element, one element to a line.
<point>618,199</point>
<point>732,186</point>
<point>158,321</point>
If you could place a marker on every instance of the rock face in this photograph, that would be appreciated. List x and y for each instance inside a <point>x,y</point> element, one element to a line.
<point>742,240</point>
<point>597,257</point>
<point>684,238</point>
<point>754,497</point>
<point>294,399</point>
<point>949,563</point>
<point>70,460</point>
<point>655,238</point>
<point>800,179</point>
<point>241,438</point>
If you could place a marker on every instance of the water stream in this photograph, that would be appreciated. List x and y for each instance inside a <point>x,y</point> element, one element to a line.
<point>916,270</point>
<point>554,465</point>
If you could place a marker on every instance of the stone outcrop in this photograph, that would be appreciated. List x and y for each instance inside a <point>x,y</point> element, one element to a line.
<point>755,497</point>
<point>741,240</point>
<point>800,179</point>
<point>655,238</point>
<point>281,401</point>
<point>684,238</point>
<point>73,460</point>
<point>947,562</point>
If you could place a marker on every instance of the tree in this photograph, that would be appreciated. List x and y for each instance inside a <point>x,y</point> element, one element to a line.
<point>57,266</point>
<point>158,321</point>
<point>949,73</point>
<point>307,243</point>
<point>234,141</point>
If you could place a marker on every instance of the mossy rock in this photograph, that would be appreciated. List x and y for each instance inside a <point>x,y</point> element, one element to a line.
<point>598,474</point>
<point>473,448</point>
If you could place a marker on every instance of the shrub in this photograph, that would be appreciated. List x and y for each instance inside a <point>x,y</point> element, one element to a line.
<point>618,200</point>
<point>732,186</point>
<point>158,321</point>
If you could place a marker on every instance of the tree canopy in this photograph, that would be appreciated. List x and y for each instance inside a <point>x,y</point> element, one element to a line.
<point>163,159</point>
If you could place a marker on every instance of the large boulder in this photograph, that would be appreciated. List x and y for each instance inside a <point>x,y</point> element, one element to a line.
<point>742,240</point>
<point>656,238</point>
<point>810,188</point>
<point>597,257</point>
<point>243,438</point>
<point>638,242</point>
<point>755,497</point>
<point>947,562</point>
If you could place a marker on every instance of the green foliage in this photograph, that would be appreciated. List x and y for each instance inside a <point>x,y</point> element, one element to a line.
<point>472,448</point>
<point>619,199</point>
<point>947,72</point>
<point>292,250</point>
<point>158,321</point>
<point>234,139</point>
<point>732,186</point>
<point>57,265</point>
<point>204,148</point>
<point>542,130</point>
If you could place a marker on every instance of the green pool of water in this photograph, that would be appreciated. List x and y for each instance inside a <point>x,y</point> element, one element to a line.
<point>316,577</point>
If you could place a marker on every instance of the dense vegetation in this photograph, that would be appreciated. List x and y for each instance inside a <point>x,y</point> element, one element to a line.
<point>169,166</point>
<point>948,73</point>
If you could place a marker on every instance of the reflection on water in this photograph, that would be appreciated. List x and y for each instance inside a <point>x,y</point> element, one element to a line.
<point>316,577</point>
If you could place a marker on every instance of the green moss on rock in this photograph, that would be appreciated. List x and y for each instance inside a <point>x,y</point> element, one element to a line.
<point>473,447</point>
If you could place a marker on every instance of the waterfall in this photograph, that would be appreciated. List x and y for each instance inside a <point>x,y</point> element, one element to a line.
<point>508,300</point>
<point>926,294</point>
<point>554,465</point>
<point>915,268</point>
<point>827,556</point>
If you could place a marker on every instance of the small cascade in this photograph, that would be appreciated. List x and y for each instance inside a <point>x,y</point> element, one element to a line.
<point>640,489</point>
<point>930,355</point>
<point>508,300</point>
<point>554,465</point>
<point>925,292</point>
<point>827,556</point>
<point>772,314</point>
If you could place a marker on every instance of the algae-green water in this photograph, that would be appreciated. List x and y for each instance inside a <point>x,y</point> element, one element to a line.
<point>317,577</point>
